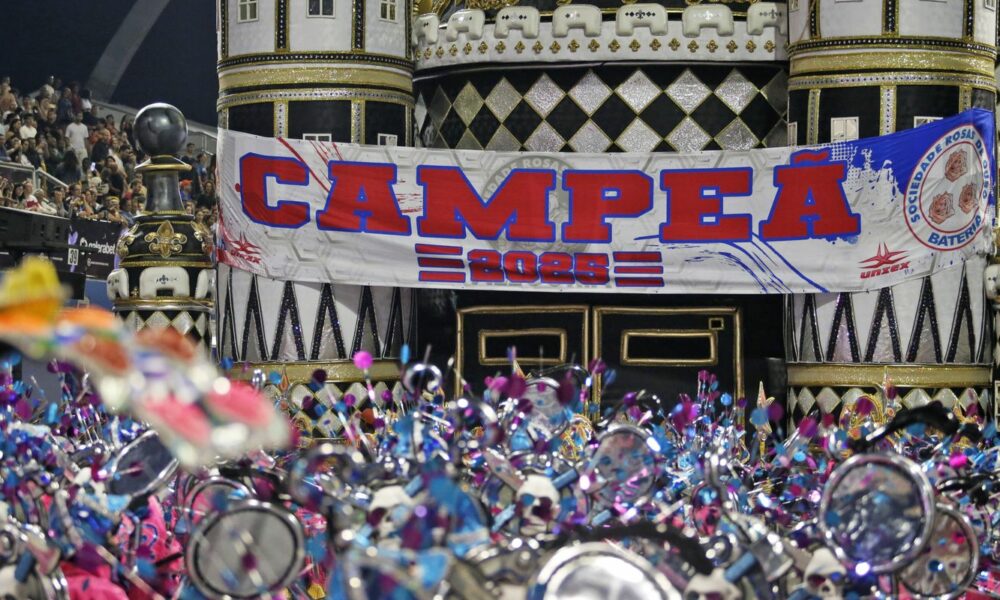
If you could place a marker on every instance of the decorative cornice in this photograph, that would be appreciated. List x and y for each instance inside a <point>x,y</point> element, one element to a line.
<point>356,58</point>
<point>892,60</point>
<point>869,375</point>
<point>362,75</point>
<point>898,78</point>
<point>350,94</point>
<point>892,42</point>
<point>467,49</point>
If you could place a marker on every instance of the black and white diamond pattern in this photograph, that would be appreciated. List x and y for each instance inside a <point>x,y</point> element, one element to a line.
<point>608,108</point>
<point>196,325</point>
<point>833,399</point>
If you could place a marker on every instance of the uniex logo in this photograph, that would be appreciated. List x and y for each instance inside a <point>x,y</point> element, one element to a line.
<point>883,263</point>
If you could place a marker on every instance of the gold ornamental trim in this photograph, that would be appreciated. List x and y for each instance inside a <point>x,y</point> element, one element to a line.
<point>851,375</point>
<point>128,264</point>
<point>599,312</point>
<point>916,60</point>
<point>165,241</point>
<point>668,336</point>
<point>580,310</point>
<point>160,302</point>
<point>891,42</point>
<point>312,75</point>
<point>152,168</point>
<point>319,95</point>
<point>804,82</point>
<point>339,371</point>
<point>487,334</point>
<point>357,58</point>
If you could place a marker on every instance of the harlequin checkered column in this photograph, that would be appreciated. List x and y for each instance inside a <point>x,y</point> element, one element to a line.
<point>328,71</point>
<point>869,68</point>
<point>599,76</point>
<point>166,277</point>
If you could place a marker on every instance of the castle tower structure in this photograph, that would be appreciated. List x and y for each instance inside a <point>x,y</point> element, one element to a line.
<point>863,68</point>
<point>166,277</point>
<point>329,71</point>
<point>605,76</point>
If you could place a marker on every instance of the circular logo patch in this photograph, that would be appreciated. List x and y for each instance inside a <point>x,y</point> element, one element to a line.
<point>947,196</point>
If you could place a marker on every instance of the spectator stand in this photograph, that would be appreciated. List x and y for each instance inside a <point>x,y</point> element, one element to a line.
<point>74,210</point>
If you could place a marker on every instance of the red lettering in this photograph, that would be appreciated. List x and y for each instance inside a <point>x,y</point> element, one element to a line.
<point>484,266</point>
<point>521,267</point>
<point>519,206</point>
<point>255,170</point>
<point>693,195</point>
<point>596,195</point>
<point>556,267</point>
<point>592,269</point>
<point>810,202</point>
<point>361,199</point>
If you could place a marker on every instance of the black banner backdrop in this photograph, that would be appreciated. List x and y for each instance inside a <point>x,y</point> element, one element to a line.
<point>92,248</point>
<point>91,244</point>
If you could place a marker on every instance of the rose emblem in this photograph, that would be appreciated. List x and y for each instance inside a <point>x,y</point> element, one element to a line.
<point>967,199</point>
<point>942,207</point>
<point>957,165</point>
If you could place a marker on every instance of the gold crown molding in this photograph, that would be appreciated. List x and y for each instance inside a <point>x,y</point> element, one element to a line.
<point>351,94</point>
<point>340,371</point>
<point>915,60</point>
<point>313,75</point>
<point>344,63</point>
<point>891,42</point>
<point>151,167</point>
<point>128,264</point>
<point>355,56</point>
<point>806,82</point>
<point>867,375</point>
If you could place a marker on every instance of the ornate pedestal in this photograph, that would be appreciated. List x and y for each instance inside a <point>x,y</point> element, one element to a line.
<point>166,277</point>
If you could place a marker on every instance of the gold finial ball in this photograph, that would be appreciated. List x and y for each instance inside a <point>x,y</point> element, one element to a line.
<point>160,130</point>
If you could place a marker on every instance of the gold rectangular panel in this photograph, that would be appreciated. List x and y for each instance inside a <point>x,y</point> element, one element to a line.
<point>487,334</point>
<point>532,315</point>
<point>712,312</point>
<point>628,358</point>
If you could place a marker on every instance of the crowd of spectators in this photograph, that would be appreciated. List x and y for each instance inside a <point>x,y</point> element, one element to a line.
<point>59,130</point>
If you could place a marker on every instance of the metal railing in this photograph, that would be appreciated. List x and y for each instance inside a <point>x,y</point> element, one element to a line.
<point>202,136</point>
<point>19,174</point>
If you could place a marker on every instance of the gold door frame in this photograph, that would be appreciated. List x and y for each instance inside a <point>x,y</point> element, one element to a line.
<point>581,309</point>
<point>600,311</point>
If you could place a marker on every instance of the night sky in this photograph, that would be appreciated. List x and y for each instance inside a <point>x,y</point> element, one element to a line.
<point>175,64</point>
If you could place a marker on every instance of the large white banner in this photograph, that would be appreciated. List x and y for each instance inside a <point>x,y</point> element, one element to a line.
<point>848,216</point>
